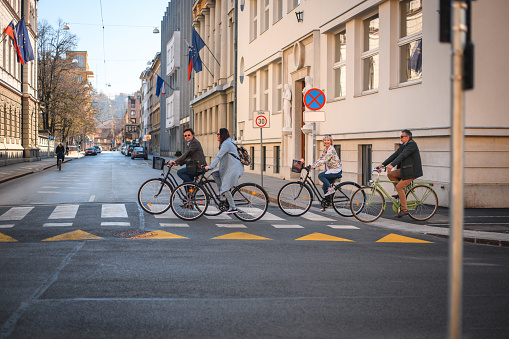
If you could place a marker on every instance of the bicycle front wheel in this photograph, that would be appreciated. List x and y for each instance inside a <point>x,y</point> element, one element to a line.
<point>251,201</point>
<point>189,201</point>
<point>367,204</point>
<point>343,196</point>
<point>422,202</point>
<point>294,199</point>
<point>154,196</point>
<point>213,208</point>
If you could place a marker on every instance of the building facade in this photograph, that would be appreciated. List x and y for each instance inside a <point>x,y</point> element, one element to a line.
<point>133,118</point>
<point>176,114</point>
<point>382,70</point>
<point>150,109</point>
<point>18,88</point>
<point>213,102</point>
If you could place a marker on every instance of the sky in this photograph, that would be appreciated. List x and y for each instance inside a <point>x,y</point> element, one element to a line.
<point>128,39</point>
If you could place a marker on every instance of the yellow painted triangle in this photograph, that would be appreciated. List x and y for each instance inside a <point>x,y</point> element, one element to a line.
<point>322,237</point>
<point>160,235</point>
<point>75,235</point>
<point>6,238</point>
<point>241,236</point>
<point>400,238</point>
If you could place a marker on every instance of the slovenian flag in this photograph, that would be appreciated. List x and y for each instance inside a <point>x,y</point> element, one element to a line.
<point>10,30</point>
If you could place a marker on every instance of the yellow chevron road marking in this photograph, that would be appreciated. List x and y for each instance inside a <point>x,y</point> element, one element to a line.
<point>322,237</point>
<point>6,238</point>
<point>75,235</point>
<point>159,235</point>
<point>241,236</point>
<point>402,239</point>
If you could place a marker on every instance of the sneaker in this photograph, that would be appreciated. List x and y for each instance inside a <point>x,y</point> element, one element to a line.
<point>231,211</point>
<point>330,191</point>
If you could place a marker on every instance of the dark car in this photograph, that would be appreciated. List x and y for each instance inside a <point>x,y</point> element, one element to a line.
<point>130,148</point>
<point>90,151</point>
<point>139,152</point>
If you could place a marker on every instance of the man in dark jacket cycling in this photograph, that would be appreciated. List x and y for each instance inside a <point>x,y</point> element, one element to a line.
<point>409,167</point>
<point>59,151</point>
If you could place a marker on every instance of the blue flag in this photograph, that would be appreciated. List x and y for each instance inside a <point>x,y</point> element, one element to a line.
<point>415,62</point>
<point>159,84</point>
<point>197,44</point>
<point>24,44</point>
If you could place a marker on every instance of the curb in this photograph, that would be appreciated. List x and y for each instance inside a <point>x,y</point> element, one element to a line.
<point>19,175</point>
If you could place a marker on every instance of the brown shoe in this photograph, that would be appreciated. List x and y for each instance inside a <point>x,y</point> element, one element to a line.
<point>401,213</point>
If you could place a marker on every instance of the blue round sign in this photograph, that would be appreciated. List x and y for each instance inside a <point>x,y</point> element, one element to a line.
<point>314,99</point>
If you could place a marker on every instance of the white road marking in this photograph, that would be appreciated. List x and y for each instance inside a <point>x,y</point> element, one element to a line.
<point>64,212</point>
<point>231,225</point>
<point>7,226</point>
<point>48,192</point>
<point>343,227</point>
<point>115,223</point>
<point>221,216</point>
<point>315,217</point>
<point>16,213</point>
<point>113,211</point>
<point>173,225</point>
<point>57,224</point>
<point>287,226</point>
<point>92,197</point>
<point>271,217</point>
<point>168,214</point>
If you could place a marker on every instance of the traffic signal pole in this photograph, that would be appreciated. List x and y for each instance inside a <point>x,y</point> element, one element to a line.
<point>456,211</point>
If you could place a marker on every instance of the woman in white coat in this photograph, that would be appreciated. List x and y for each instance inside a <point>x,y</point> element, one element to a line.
<point>230,167</point>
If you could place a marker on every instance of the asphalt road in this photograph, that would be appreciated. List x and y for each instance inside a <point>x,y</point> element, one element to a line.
<point>67,269</point>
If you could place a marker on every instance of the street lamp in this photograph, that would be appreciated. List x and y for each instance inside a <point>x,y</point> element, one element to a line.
<point>300,16</point>
<point>156,30</point>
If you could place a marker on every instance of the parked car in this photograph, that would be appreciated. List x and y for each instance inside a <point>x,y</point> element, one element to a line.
<point>139,152</point>
<point>90,151</point>
<point>98,149</point>
<point>130,148</point>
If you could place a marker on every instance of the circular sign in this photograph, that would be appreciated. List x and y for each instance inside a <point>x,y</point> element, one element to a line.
<point>261,121</point>
<point>314,99</point>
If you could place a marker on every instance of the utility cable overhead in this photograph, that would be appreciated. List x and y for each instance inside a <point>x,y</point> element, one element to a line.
<point>104,49</point>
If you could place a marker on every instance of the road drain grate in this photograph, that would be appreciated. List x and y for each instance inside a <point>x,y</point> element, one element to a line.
<point>135,234</point>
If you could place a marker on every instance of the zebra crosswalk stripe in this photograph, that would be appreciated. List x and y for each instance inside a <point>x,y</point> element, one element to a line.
<point>15,213</point>
<point>64,212</point>
<point>315,217</point>
<point>113,211</point>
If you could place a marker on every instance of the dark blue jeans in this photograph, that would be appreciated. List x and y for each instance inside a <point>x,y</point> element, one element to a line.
<point>327,178</point>
<point>184,176</point>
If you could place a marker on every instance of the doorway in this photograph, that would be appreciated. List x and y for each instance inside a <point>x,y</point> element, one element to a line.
<point>366,163</point>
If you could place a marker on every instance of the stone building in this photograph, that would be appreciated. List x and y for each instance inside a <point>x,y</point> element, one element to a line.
<point>150,106</point>
<point>18,88</point>
<point>176,114</point>
<point>213,102</point>
<point>382,69</point>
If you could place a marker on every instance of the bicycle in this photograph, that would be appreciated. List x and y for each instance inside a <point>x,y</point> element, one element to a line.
<point>368,203</point>
<point>190,201</point>
<point>154,195</point>
<point>60,160</point>
<point>295,198</point>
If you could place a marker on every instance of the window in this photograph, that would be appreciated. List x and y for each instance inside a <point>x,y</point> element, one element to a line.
<point>254,19</point>
<point>278,81</point>
<point>264,158</point>
<point>133,103</point>
<point>339,66</point>
<point>266,16</point>
<point>292,4</point>
<point>133,112</point>
<point>370,57</point>
<point>252,151</point>
<point>410,41</point>
<point>278,10</point>
<point>338,150</point>
<point>277,159</point>
<point>252,104</point>
<point>265,89</point>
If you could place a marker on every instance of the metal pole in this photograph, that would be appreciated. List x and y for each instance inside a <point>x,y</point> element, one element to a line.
<point>314,147</point>
<point>457,171</point>
<point>262,161</point>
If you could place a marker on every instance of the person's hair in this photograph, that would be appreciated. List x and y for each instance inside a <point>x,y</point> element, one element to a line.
<point>329,137</point>
<point>189,130</point>
<point>223,135</point>
<point>407,133</point>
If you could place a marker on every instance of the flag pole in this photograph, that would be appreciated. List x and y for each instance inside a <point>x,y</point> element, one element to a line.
<point>202,61</point>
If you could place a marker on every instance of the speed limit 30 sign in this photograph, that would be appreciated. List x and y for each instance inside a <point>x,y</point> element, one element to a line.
<point>261,119</point>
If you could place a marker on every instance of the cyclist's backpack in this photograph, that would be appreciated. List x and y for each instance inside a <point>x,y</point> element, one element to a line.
<point>243,155</point>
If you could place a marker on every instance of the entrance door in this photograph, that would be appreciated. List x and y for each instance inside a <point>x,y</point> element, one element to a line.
<point>366,164</point>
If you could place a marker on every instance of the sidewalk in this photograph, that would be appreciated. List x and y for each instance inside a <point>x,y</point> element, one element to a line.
<point>477,225</point>
<point>24,168</point>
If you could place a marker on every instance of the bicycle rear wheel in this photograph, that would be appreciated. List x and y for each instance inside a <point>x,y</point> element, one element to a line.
<point>154,196</point>
<point>294,199</point>
<point>59,164</point>
<point>367,204</point>
<point>189,201</point>
<point>213,208</point>
<point>251,201</point>
<point>343,196</point>
<point>422,202</point>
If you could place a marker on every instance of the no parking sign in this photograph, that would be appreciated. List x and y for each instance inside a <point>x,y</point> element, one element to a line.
<point>314,99</point>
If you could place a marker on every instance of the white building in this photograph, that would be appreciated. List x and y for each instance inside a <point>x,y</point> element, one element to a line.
<point>361,54</point>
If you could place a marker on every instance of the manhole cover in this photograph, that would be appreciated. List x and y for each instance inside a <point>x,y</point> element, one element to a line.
<point>133,233</point>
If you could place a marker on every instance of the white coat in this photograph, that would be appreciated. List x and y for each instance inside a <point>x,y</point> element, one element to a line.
<point>230,167</point>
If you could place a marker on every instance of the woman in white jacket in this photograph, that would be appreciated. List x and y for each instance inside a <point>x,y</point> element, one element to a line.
<point>230,167</point>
